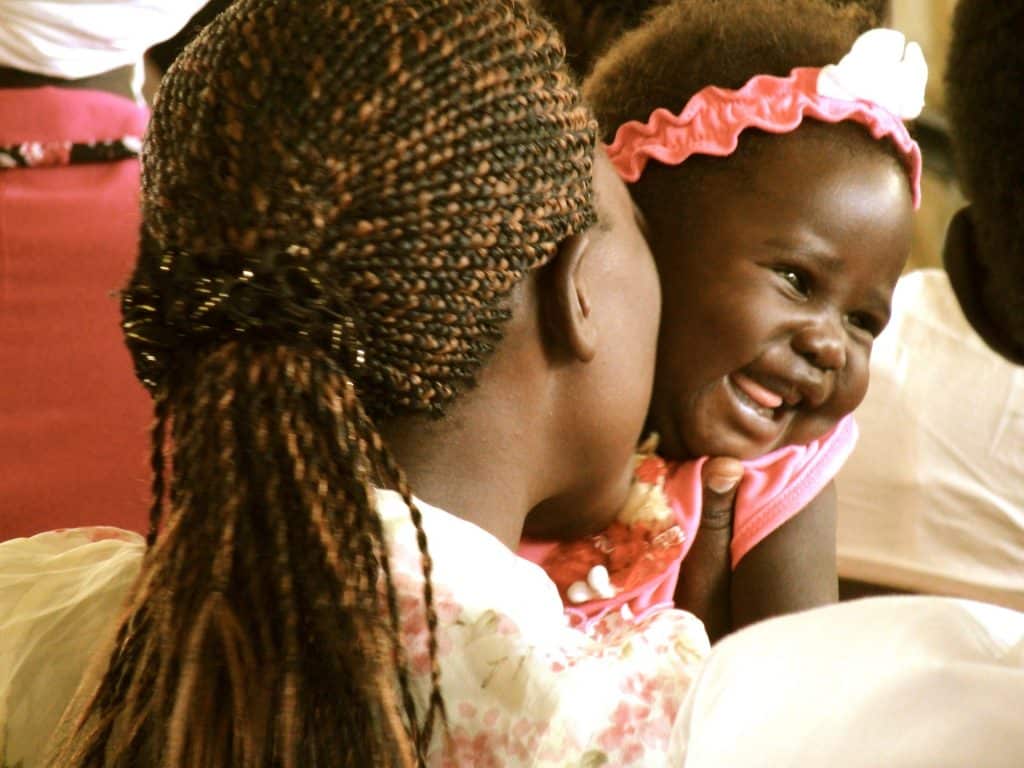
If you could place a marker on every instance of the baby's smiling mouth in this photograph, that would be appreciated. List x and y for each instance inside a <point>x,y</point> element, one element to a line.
<point>759,398</point>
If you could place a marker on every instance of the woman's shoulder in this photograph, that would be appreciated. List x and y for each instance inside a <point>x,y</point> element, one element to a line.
<point>60,593</point>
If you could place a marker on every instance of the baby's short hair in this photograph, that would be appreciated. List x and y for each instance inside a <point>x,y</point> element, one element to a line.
<point>590,27</point>
<point>685,46</point>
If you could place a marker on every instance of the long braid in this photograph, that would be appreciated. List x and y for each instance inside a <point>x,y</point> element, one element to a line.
<point>157,465</point>
<point>339,197</point>
<point>396,478</point>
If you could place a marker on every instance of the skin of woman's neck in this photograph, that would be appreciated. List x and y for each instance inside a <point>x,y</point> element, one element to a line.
<point>466,466</point>
<point>532,438</point>
<point>491,458</point>
<point>117,81</point>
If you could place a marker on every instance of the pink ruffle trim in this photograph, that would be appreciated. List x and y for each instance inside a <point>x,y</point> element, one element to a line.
<point>712,121</point>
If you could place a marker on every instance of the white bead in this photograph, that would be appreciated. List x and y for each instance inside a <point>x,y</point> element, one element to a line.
<point>579,592</point>
<point>601,582</point>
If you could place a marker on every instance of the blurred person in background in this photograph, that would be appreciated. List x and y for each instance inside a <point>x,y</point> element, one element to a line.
<point>933,498</point>
<point>591,26</point>
<point>73,420</point>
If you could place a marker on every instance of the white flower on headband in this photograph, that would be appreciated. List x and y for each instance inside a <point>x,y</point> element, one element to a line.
<point>881,67</point>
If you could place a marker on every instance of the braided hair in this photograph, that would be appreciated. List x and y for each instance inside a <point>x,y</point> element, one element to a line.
<point>339,196</point>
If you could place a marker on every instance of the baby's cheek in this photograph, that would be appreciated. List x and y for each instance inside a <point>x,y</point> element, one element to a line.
<point>855,381</point>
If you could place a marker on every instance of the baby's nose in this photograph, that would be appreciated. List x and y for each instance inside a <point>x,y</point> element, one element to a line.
<point>822,343</point>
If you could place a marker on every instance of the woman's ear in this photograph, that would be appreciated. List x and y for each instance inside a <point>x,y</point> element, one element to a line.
<point>968,276</point>
<point>567,301</point>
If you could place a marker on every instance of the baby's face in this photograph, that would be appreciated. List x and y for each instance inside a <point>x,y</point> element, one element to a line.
<point>773,293</point>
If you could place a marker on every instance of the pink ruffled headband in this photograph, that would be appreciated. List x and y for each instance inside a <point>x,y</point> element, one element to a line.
<point>878,84</point>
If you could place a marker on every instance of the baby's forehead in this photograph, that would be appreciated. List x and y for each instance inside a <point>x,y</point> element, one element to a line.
<point>840,224</point>
<point>763,166</point>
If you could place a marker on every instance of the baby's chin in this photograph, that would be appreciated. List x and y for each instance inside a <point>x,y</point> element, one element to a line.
<point>727,442</point>
<point>716,423</point>
<point>685,441</point>
<point>744,450</point>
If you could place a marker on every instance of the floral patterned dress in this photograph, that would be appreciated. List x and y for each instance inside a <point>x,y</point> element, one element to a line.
<point>522,687</point>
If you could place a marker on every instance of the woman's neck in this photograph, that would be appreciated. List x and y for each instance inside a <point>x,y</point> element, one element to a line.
<point>473,474</point>
<point>488,459</point>
<point>117,81</point>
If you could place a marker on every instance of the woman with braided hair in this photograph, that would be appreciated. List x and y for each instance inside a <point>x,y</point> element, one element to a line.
<point>378,253</point>
<point>376,234</point>
<point>73,445</point>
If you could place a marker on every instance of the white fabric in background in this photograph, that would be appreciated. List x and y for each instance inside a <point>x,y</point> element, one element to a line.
<point>891,682</point>
<point>932,499</point>
<point>80,38</point>
<point>60,596</point>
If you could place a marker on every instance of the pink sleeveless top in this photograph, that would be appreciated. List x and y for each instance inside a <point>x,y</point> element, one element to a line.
<point>643,558</point>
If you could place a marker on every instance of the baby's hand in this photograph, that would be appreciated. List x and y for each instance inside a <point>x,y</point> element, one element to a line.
<point>721,477</point>
<point>704,578</point>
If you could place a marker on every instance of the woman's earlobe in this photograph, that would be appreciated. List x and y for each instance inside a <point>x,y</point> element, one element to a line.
<point>571,314</point>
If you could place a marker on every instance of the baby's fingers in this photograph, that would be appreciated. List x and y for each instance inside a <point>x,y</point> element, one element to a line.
<point>720,476</point>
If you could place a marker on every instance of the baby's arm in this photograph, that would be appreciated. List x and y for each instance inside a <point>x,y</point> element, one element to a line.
<point>791,569</point>
<point>704,576</point>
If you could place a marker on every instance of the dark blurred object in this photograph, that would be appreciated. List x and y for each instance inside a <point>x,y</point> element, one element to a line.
<point>880,8</point>
<point>162,55</point>
<point>590,26</point>
<point>931,130</point>
<point>984,252</point>
<point>117,81</point>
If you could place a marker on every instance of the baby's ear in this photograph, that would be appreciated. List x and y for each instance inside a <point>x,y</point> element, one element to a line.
<point>968,276</point>
<point>567,301</point>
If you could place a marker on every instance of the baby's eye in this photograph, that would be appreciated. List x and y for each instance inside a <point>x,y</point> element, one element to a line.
<point>796,278</point>
<point>866,322</point>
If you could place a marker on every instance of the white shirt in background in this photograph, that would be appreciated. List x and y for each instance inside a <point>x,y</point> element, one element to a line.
<point>932,499</point>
